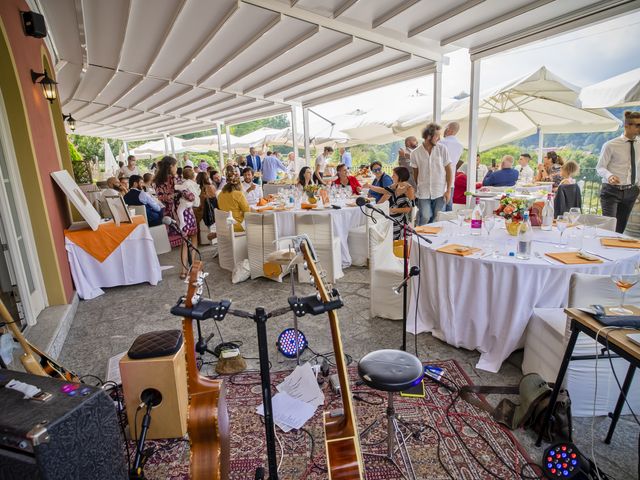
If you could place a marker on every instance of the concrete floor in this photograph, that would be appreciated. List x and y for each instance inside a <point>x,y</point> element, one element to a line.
<point>107,325</point>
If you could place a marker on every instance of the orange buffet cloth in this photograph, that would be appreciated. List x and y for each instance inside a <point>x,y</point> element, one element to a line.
<point>102,243</point>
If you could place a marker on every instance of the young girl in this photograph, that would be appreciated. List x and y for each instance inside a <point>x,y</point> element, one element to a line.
<point>568,171</point>
<point>189,197</point>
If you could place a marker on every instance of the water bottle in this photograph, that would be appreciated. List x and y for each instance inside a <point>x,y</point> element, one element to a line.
<point>525,235</point>
<point>547,213</point>
<point>476,219</point>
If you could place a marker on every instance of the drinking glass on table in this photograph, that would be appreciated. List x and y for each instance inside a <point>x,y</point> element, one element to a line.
<point>562,222</point>
<point>625,282</point>
<point>574,215</point>
<point>489,223</point>
<point>462,214</point>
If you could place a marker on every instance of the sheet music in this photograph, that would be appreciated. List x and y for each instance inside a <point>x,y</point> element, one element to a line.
<point>288,412</point>
<point>113,368</point>
<point>302,385</point>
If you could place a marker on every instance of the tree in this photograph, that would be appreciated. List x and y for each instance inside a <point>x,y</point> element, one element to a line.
<point>73,152</point>
<point>279,121</point>
<point>90,147</point>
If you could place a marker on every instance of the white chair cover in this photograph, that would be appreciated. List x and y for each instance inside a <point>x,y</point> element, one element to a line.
<point>320,230</point>
<point>385,269</point>
<point>606,223</point>
<point>358,242</point>
<point>262,239</point>
<point>158,233</point>
<point>232,246</point>
<point>547,336</point>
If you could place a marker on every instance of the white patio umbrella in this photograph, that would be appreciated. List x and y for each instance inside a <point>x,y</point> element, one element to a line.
<point>541,102</point>
<point>620,91</point>
<point>157,147</point>
<point>110,164</point>
<point>209,142</point>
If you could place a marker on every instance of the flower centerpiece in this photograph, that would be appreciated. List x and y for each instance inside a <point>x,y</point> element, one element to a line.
<point>312,191</point>
<point>512,210</point>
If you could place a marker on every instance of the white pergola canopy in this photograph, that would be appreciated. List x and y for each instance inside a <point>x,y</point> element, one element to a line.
<point>620,91</point>
<point>135,69</point>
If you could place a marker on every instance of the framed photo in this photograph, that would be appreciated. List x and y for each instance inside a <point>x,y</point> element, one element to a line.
<point>118,209</point>
<point>77,197</point>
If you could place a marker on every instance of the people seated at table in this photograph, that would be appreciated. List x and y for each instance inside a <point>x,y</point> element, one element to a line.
<point>382,180</point>
<point>345,180</point>
<point>147,184</point>
<point>232,199</point>
<point>401,197</point>
<point>113,188</point>
<point>505,177</point>
<point>124,184</point>
<point>165,185</point>
<point>129,169</point>
<point>137,196</point>
<point>568,171</point>
<point>270,167</point>
<point>556,167</point>
<point>305,177</point>
<point>525,172</point>
<point>208,202</point>
<point>217,179</point>
<point>321,164</point>
<point>252,191</point>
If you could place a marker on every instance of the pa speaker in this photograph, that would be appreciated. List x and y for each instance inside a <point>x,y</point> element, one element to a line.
<point>163,382</point>
<point>34,25</point>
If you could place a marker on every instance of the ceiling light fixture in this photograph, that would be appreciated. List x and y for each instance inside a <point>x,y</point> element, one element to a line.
<point>48,85</point>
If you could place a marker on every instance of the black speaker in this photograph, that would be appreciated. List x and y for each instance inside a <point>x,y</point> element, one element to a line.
<point>72,432</point>
<point>34,25</point>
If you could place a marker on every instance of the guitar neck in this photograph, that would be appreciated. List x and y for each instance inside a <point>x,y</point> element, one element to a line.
<point>6,317</point>
<point>341,367</point>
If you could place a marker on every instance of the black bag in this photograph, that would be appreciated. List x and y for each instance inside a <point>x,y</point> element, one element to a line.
<point>535,394</point>
<point>208,215</point>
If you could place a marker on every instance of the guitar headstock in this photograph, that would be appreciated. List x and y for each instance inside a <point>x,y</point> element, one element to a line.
<point>196,284</point>
<point>315,270</point>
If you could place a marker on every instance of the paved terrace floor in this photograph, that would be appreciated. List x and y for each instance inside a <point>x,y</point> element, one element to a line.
<point>107,325</point>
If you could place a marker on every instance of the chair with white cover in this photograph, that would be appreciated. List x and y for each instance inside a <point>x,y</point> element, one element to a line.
<point>444,216</point>
<point>232,246</point>
<point>385,269</point>
<point>600,221</point>
<point>158,233</point>
<point>262,240</point>
<point>319,228</point>
<point>548,333</point>
<point>358,245</point>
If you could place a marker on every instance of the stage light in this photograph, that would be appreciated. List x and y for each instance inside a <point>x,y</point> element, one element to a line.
<point>48,85</point>
<point>563,460</point>
<point>70,121</point>
<point>287,343</point>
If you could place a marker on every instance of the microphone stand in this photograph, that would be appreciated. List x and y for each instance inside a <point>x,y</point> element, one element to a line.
<point>405,257</point>
<point>190,246</point>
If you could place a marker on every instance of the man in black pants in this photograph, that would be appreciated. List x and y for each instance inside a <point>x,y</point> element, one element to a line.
<point>618,167</point>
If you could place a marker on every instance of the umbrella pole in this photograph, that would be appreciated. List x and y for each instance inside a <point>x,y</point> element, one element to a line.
<point>540,145</point>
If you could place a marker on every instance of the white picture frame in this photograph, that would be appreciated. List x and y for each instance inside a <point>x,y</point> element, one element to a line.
<point>77,197</point>
<point>119,211</point>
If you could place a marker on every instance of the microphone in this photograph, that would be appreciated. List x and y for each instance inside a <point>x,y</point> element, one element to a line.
<point>361,201</point>
<point>415,270</point>
<point>169,221</point>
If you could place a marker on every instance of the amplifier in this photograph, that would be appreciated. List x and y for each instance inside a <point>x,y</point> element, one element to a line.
<point>71,433</point>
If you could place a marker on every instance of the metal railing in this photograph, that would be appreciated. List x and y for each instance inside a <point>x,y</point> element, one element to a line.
<point>590,185</point>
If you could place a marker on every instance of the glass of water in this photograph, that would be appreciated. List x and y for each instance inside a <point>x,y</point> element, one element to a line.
<point>562,223</point>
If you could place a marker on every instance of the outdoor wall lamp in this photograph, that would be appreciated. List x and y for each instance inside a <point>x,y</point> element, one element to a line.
<point>70,121</point>
<point>48,85</point>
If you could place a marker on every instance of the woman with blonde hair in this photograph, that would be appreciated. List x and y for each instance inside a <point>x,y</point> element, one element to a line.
<point>232,199</point>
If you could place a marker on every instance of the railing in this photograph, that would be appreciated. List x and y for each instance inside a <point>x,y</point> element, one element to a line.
<point>590,185</point>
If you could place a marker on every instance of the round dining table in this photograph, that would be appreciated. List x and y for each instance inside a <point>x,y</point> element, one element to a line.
<point>484,301</point>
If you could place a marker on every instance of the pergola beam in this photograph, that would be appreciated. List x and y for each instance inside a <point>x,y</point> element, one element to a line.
<point>448,15</point>
<point>346,5</point>
<point>394,12</point>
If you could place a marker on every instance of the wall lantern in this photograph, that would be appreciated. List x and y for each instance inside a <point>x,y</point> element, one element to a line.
<point>48,85</point>
<point>70,121</point>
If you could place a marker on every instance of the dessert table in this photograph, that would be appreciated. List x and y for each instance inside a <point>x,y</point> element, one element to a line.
<point>484,303</point>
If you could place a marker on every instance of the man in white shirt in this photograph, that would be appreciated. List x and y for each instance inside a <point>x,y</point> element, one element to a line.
<point>525,172</point>
<point>433,174</point>
<point>129,169</point>
<point>292,168</point>
<point>618,167</point>
<point>455,148</point>
<point>252,191</point>
<point>345,157</point>
<point>321,161</point>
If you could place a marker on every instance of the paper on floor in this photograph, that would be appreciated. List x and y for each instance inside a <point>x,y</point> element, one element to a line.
<point>288,412</point>
<point>301,384</point>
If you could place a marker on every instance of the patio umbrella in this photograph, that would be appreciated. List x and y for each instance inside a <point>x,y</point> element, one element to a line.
<point>209,142</point>
<point>110,164</point>
<point>158,147</point>
<point>620,91</point>
<point>539,102</point>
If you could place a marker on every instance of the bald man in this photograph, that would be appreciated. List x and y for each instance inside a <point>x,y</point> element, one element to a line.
<point>505,177</point>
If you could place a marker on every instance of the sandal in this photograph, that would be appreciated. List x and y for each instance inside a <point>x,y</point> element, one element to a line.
<point>183,276</point>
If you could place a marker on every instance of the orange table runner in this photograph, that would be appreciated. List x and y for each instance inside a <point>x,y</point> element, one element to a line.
<point>102,243</point>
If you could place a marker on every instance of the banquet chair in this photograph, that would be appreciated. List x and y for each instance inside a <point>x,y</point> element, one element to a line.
<point>385,269</point>
<point>548,333</point>
<point>606,223</point>
<point>444,216</point>
<point>262,239</point>
<point>319,228</point>
<point>158,233</point>
<point>232,246</point>
<point>358,248</point>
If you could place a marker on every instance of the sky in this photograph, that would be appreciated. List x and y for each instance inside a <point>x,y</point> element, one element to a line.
<point>581,57</point>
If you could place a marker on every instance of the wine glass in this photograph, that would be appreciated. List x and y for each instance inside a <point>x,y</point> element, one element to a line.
<point>562,222</point>
<point>462,214</point>
<point>574,215</point>
<point>624,282</point>
<point>489,222</point>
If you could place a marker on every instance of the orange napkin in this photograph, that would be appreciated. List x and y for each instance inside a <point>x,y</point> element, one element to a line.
<point>308,206</point>
<point>102,243</point>
<point>398,248</point>
<point>262,202</point>
<point>263,209</point>
<point>616,242</point>
<point>428,230</point>
<point>451,249</point>
<point>571,258</point>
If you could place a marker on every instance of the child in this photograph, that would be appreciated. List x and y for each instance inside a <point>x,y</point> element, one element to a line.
<point>568,171</point>
<point>188,185</point>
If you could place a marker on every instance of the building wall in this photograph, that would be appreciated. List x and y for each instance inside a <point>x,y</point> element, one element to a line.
<point>37,130</point>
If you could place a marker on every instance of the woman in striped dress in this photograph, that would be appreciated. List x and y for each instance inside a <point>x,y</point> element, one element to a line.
<point>401,197</point>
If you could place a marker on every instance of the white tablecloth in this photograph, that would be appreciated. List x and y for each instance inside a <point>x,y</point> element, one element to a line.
<point>343,220</point>
<point>134,261</point>
<point>484,303</point>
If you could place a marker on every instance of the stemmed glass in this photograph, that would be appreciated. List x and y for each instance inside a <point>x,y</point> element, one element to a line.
<point>461,216</point>
<point>625,282</point>
<point>489,222</point>
<point>562,222</point>
<point>574,215</point>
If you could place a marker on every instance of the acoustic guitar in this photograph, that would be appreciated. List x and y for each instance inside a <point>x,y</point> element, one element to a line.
<point>207,417</point>
<point>344,458</point>
<point>34,360</point>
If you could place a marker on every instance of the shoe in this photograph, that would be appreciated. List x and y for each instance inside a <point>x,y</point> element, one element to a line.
<point>212,235</point>
<point>183,276</point>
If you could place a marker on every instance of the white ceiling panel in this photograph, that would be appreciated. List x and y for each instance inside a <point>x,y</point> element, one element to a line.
<point>67,79</point>
<point>219,99</point>
<point>61,18</point>
<point>105,25</point>
<point>104,114</point>
<point>92,83</point>
<point>119,83</point>
<point>140,92</point>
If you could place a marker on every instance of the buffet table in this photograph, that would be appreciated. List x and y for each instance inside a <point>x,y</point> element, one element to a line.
<point>483,303</point>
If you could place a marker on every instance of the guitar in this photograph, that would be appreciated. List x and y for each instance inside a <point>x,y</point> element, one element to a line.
<point>344,458</point>
<point>34,360</point>
<point>207,418</point>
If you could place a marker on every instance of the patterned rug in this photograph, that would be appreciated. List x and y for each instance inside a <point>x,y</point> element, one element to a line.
<point>447,441</point>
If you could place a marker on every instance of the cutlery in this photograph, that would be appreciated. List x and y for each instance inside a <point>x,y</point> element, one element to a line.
<point>538,255</point>
<point>598,255</point>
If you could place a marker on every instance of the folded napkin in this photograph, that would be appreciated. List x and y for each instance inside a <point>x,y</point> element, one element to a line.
<point>571,258</point>
<point>428,230</point>
<point>617,242</point>
<point>452,249</point>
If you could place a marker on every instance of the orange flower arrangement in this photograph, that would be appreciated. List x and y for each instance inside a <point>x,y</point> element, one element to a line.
<point>511,208</point>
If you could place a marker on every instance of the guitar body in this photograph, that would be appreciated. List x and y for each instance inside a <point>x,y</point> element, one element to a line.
<point>207,417</point>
